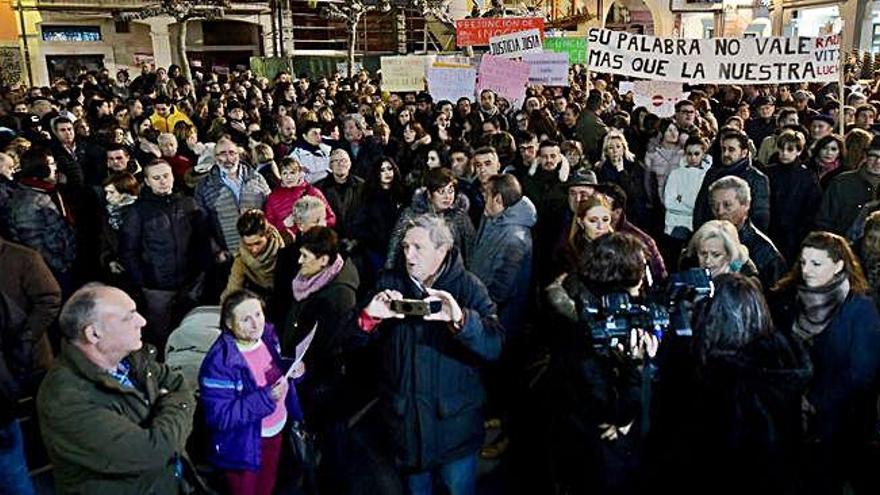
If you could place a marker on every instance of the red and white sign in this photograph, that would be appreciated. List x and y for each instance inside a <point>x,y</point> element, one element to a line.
<point>476,32</point>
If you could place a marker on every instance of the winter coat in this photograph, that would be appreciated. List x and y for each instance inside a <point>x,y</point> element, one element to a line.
<point>223,210</point>
<point>345,200</point>
<point>162,241</point>
<point>374,223</point>
<point>37,222</point>
<point>546,189</point>
<point>166,124</point>
<point>15,357</point>
<point>280,203</point>
<point>740,412</point>
<point>430,390</point>
<point>29,284</point>
<point>104,438</point>
<point>770,263</point>
<point>70,165</point>
<point>326,364</point>
<point>843,200</point>
<point>632,180</point>
<point>659,163</point>
<point>368,153</point>
<point>502,260</point>
<point>680,196</point>
<point>7,188</point>
<point>456,216</point>
<point>652,253</point>
<point>314,159</point>
<point>759,210</point>
<point>591,132</point>
<point>793,200</point>
<point>235,406</point>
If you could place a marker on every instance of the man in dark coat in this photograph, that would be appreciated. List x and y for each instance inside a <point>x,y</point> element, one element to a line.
<point>114,420</point>
<point>163,245</point>
<point>848,193</point>
<point>430,391</point>
<point>343,192</point>
<point>364,150</point>
<point>730,199</point>
<point>735,160</point>
<point>15,360</point>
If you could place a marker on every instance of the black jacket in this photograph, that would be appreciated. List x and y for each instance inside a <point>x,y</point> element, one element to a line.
<point>759,211</point>
<point>430,389</point>
<point>344,199</point>
<point>15,356</point>
<point>369,152</point>
<point>794,198</point>
<point>163,241</point>
<point>770,263</point>
<point>845,197</point>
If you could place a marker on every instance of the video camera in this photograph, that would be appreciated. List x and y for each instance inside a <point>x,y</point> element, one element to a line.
<point>616,315</point>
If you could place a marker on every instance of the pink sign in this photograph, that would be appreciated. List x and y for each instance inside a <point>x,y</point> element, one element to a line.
<point>508,78</point>
<point>476,32</point>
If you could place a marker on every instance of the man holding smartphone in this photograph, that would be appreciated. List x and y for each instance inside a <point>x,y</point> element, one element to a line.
<point>430,392</point>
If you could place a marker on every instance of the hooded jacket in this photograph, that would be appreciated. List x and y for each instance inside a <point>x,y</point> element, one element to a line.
<point>456,216</point>
<point>502,259</point>
<point>430,390</point>
<point>759,210</point>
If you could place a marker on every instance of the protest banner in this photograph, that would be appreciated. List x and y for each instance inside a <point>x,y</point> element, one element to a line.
<point>515,45</point>
<point>659,97</point>
<point>269,67</point>
<point>576,48</point>
<point>547,69</point>
<point>767,60</point>
<point>451,83</point>
<point>476,32</point>
<point>508,78</point>
<point>401,74</point>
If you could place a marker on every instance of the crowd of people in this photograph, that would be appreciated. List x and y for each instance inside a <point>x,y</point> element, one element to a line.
<point>444,262</point>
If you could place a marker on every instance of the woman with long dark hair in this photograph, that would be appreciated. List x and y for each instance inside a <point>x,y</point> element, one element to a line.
<point>384,198</point>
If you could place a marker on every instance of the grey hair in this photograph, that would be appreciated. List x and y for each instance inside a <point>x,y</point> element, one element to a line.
<point>358,120</point>
<point>437,227</point>
<point>80,310</point>
<point>306,208</point>
<point>737,184</point>
<point>167,136</point>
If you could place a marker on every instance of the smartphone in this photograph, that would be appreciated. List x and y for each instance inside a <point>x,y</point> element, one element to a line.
<point>416,307</point>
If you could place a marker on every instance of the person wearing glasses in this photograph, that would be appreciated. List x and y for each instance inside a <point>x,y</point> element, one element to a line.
<point>848,193</point>
<point>440,197</point>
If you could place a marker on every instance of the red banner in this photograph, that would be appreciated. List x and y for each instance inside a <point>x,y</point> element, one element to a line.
<point>476,32</point>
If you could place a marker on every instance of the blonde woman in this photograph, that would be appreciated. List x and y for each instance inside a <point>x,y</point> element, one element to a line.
<point>619,166</point>
<point>716,247</point>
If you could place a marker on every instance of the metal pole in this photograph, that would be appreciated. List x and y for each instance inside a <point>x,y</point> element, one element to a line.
<point>27,53</point>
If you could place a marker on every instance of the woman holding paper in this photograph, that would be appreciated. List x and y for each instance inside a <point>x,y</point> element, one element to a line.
<point>247,396</point>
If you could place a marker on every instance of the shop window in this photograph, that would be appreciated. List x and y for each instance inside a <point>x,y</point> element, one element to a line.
<point>71,33</point>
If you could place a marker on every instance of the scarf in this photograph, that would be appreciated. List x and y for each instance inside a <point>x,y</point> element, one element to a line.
<point>260,269</point>
<point>818,305</point>
<point>114,212</point>
<point>827,167</point>
<point>50,188</point>
<point>303,287</point>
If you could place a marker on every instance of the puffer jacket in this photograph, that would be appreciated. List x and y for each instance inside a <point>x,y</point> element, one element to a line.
<point>280,203</point>
<point>166,124</point>
<point>106,439</point>
<point>502,259</point>
<point>162,241</point>
<point>457,218</point>
<point>223,210</point>
<point>430,390</point>
<point>235,406</point>
<point>37,222</point>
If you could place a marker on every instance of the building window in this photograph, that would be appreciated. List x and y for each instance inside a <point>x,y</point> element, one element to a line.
<point>875,39</point>
<point>71,33</point>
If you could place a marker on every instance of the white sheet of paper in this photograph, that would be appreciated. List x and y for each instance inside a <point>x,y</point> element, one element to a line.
<point>301,349</point>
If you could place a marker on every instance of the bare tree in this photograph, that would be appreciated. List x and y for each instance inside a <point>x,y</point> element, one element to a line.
<point>350,12</point>
<point>182,11</point>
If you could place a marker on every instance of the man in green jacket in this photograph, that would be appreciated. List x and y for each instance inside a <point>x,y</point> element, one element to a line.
<point>114,421</point>
<point>590,130</point>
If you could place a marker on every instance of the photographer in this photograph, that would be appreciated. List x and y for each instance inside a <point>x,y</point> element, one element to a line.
<point>436,326</point>
<point>600,378</point>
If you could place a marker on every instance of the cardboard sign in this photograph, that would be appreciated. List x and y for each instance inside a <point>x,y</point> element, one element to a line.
<point>717,60</point>
<point>508,78</point>
<point>576,48</point>
<point>451,83</point>
<point>547,69</point>
<point>659,97</point>
<point>476,32</point>
<point>515,45</point>
<point>402,74</point>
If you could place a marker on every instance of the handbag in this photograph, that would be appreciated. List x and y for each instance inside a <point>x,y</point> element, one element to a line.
<point>304,446</point>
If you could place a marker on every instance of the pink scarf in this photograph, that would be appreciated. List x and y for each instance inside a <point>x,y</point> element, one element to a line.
<point>303,287</point>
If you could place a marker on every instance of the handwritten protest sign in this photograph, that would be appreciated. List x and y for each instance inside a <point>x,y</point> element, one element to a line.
<point>451,83</point>
<point>403,73</point>
<point>576,48</point>
<point>508,78</point>
<point>476,32</point>
<point>515,45</point>
<point>659,97</point>
<point>716,60</point>
<point>548,69</point>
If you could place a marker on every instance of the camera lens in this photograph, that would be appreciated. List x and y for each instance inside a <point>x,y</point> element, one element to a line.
<point>406,307</point>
